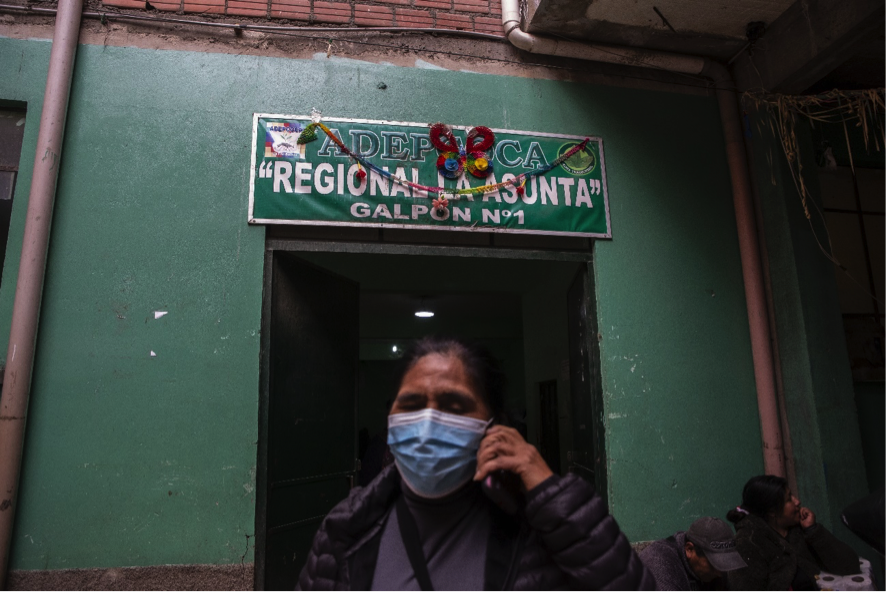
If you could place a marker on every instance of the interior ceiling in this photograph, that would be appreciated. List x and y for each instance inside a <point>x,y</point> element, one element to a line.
<point>699,17</point>
<point>432,275</point>
<point>865,69</point>
<point>464,306</point>
<point>710,28</point>
<point>473,297</point>
<point>698,27</point>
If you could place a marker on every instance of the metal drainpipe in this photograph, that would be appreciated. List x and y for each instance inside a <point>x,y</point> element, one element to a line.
<point>790,467</point>
<point>752,271</point>
<point>29,287</point>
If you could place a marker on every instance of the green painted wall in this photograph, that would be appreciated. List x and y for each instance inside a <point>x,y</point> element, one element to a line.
<point>132,459</point>
<point>151,216</point>
<point>819,392</point>
<point>682,428</point>
<point>871,403</point>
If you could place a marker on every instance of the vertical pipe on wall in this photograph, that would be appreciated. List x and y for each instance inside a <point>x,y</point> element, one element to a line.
<point>752,271</point>
<point>29,286</point>
<point>790,467</point>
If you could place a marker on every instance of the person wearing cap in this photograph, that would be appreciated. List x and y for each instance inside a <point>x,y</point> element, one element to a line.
<point>695,559</point>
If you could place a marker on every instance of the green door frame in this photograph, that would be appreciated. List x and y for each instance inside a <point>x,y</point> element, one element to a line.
<point>376,248</point>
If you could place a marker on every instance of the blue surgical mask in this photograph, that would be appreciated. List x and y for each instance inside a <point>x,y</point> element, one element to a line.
<point>436,452</point>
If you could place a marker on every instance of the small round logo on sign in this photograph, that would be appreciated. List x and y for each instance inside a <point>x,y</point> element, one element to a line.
<point>580,163</point>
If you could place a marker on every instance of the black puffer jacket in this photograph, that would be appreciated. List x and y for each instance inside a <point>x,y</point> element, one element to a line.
<point>782,563</point>
<point>565,539</point>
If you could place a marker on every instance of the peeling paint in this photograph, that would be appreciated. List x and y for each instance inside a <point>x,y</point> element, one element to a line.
<point>324,57</point>
<point>428,66</point>
<point>617,415</point>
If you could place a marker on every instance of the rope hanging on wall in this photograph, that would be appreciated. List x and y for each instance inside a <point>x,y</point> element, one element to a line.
<point>862,108</point>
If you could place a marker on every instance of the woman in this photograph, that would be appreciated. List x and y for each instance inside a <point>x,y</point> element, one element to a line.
<point>427,521</point>
<point>781,542</point>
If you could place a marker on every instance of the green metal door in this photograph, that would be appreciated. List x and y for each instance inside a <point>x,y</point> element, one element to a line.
<point>312,359</point>
<point>588,456</point>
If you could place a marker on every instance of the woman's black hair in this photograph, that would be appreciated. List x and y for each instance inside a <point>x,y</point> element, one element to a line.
<point>762,495</point>
<point>481,366</point>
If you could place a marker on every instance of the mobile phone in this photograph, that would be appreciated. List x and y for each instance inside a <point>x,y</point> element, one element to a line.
<point>505,489</point>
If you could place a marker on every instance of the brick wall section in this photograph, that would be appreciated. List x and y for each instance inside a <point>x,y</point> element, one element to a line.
<point>441,4</point>
<point>205,6</point>
<point>299,10</point>
<point>338,13</point>
<point>129,4</point>
<point>484,24</point>
<point>479,6</point>
<point>419,19</point>
<point>166,5</point>
<point>247,8</point>
<point>482,16</point>
<point>461,22</point>
<point>372,15</point>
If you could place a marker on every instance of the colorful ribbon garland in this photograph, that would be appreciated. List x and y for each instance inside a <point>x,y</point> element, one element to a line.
<point>309,135</point>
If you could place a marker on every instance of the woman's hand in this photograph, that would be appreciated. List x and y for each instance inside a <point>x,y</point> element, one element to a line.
<point>503,448</point>
<point>807,517</point>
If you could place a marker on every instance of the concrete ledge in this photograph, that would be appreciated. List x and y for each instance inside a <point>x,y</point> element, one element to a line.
<point>157,577</point>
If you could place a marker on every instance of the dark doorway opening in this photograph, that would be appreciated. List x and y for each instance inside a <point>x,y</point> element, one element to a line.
<point>334,327</point>
<point>12,130</point>
<point>549,424</point>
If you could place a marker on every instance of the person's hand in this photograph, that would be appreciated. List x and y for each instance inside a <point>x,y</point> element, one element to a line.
<point>503,448</point>
<point>807,518</point>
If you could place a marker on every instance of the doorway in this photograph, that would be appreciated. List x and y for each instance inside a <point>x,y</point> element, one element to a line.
<point>334,327</point>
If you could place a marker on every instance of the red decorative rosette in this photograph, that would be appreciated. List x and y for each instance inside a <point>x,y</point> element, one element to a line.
<point>450,163</point>
<point>480,139</point>
<point>478,164</point>
<point>519,183</point>
<point>453,161</point>
<point>443,139</point>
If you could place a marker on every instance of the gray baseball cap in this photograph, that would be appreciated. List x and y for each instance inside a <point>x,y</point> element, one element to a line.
<point>717,542</point>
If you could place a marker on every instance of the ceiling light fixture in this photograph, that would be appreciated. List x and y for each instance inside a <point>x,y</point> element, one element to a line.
<point>423,311</point>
